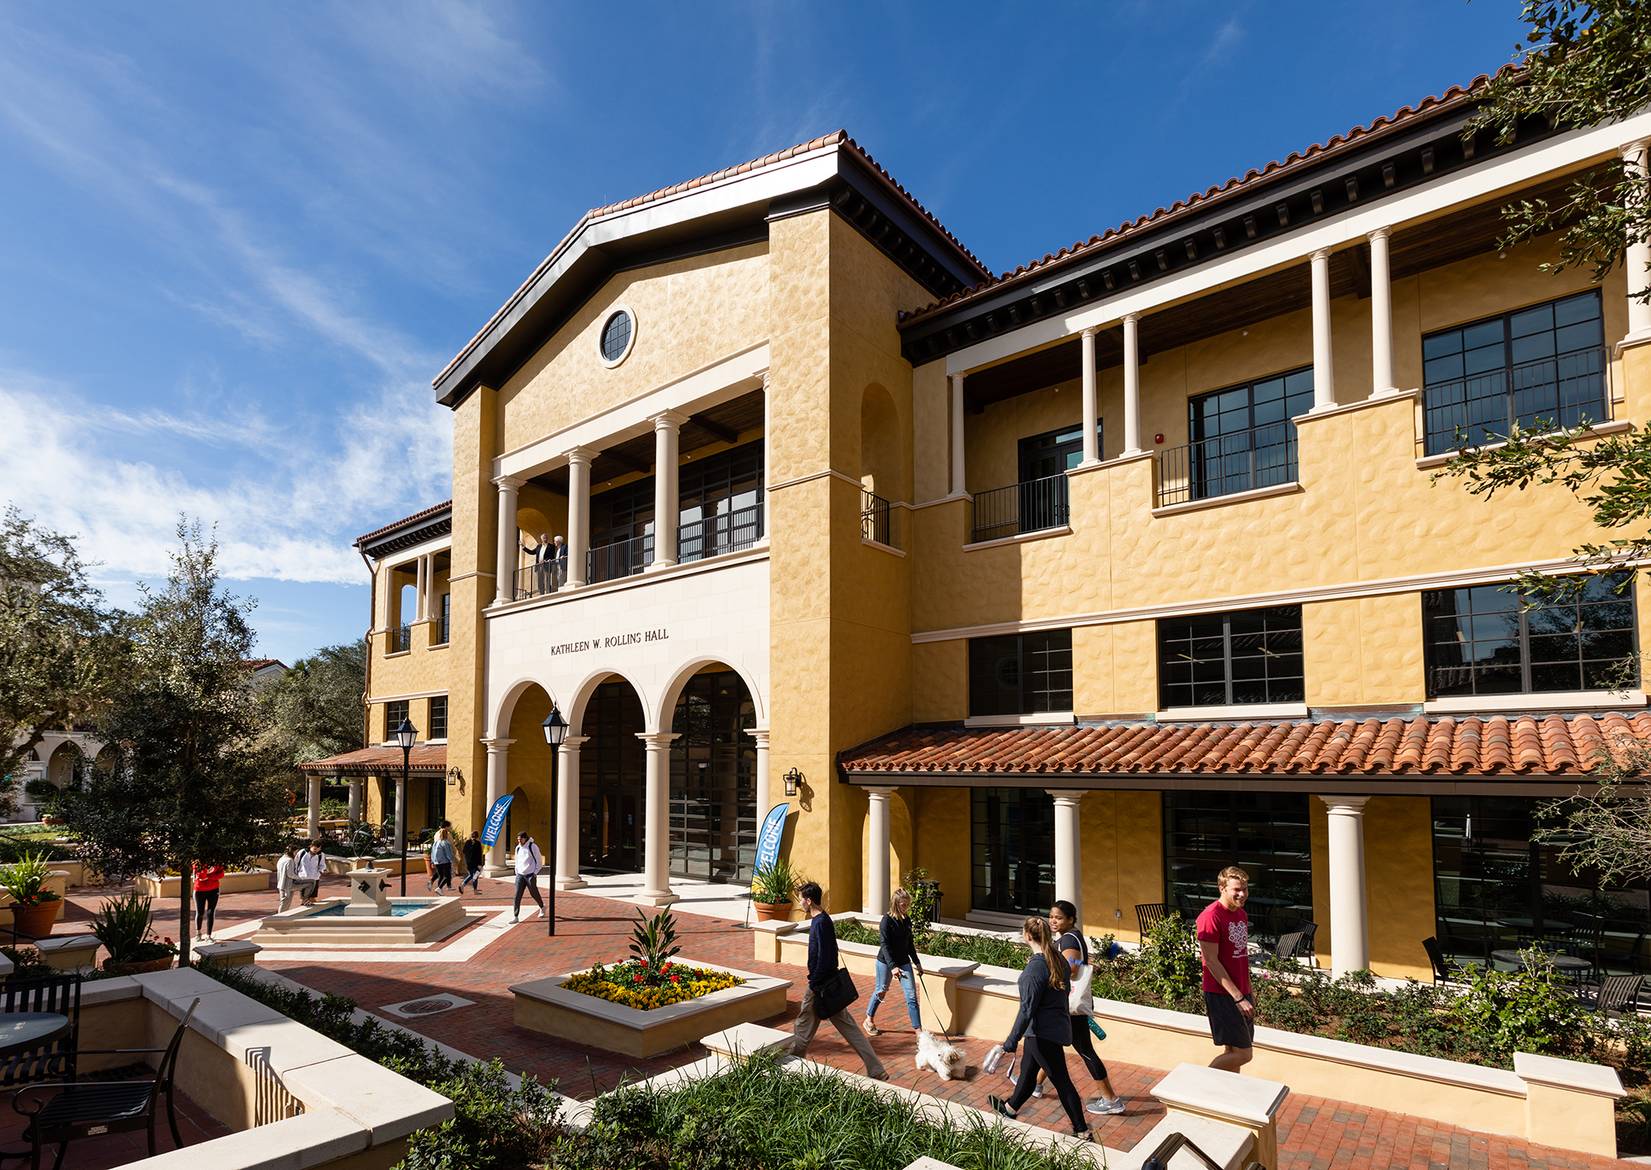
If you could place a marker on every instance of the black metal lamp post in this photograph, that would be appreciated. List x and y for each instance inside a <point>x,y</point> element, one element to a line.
<point>556,730</point>
<point>406,734</point>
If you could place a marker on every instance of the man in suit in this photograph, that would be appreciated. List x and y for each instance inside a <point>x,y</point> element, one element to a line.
<point>544,580</point>
<point>558,562</point>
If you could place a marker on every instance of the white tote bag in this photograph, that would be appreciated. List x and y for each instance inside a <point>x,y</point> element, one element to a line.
<point>1079,1000</point>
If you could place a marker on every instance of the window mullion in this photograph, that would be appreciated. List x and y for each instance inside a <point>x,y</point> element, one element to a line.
<point>1524,646</point>
<point>1227,657</point>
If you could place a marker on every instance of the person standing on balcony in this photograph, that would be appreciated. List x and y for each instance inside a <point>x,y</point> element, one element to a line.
<point>1224,946</point>
<point>558,562</point>
<point>540,556</point>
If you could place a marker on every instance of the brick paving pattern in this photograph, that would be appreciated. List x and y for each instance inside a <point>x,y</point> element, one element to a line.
<point>1315,1133</point>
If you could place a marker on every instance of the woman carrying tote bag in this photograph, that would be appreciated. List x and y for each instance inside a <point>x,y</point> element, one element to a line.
<point>1069,940</point>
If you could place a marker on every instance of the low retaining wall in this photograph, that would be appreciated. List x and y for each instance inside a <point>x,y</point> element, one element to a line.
<point>1567,1104</point>
<point>170,886</point>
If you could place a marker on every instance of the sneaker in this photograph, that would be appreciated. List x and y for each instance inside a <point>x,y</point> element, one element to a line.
<point>514,919</point>
<point>872,1029</point>
<point>1037,1091</point>
<point>1105,1108</point>
<point>1085,1135</point>
<point>1000,1106</point>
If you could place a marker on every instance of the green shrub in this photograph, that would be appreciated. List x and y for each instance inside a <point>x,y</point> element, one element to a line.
<point>775,883</point>
<point>1171,969</point>
<point>1531,1010</point>
<point>122,925</point>
<point>25,879</point>
<point>925,898</point>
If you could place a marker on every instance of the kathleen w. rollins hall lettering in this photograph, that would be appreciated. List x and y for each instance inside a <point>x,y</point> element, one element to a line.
<point>610,641</point>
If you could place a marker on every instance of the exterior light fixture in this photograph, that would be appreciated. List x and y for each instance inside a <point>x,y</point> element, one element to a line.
<point>793,781</point>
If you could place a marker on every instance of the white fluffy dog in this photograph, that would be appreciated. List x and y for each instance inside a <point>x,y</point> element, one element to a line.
<point>940,1055</point>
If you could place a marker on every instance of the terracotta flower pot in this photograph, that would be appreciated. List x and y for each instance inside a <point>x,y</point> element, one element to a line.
<point>36,921</point>
<point>773,911</point>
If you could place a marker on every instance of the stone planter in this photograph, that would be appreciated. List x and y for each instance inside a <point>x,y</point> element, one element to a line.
<point>170,885</point>
<point>544,1005</point>
<point>139,966</point>
<point>36,921</point>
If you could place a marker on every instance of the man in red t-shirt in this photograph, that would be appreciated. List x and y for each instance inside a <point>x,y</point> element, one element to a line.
<point>1224,946</point>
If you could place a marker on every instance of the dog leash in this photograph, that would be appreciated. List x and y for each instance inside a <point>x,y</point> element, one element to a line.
<point>930,1002</point>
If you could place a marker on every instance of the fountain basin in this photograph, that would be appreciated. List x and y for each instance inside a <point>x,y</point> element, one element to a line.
<point>328,923</point>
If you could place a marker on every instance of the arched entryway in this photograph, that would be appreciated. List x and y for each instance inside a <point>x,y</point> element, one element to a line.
<point>528,772</point>
<point>713,806</point>
<point>64,764</point>
<point>612,780</point>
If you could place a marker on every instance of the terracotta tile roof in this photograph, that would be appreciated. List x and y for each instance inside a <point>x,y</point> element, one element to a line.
<point>1455,96</point>
<point>839,138</point>
<point>379,761</point>
<point>260,663</point>
<point>1525,745</point>
<point>432,510</point>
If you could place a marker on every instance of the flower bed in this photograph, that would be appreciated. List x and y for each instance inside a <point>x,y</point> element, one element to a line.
<point>635,984</point>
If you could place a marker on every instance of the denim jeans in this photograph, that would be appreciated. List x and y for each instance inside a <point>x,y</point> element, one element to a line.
<point>884,974</point>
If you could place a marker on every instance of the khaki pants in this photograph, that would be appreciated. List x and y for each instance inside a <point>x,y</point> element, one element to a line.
<point>286,898</point>
<point>808,1023</point>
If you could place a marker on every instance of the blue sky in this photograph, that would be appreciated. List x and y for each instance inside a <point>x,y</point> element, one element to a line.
<point>236,242</point>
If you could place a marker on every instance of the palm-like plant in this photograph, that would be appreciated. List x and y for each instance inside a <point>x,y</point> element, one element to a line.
<point>653,940</point>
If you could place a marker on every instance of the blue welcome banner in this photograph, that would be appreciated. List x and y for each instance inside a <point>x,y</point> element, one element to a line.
<point>495,820</point>
<point>768,837</point>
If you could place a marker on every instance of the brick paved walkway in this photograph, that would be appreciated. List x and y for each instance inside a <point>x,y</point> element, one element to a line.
<point>1314,1133</point>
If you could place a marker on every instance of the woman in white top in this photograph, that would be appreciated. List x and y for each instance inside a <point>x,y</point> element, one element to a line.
<point>284,878</point>
<point>528,864</point>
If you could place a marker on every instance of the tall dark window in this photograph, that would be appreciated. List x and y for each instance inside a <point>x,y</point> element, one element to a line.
<point>1494,640</point>
<point>1243,437</point>
<point>1021,674</point>
<point>714,779</point>
<point>1541,367</point>
<point>438,718</point>
<point>445,630</point>
<point>611,768</point>
<point>1053,452</point>
<point>394,712</point>
<point>1012,846</point>
<point>1223,659</point>
<point>435,802</point>
<point>621,530</point>
<point>1496,889</point>
<point>721,503</point>
<point>1264,833</point>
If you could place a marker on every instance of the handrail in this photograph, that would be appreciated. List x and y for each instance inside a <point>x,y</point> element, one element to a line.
<point>1463,421</point>
<point>540,580</point>
<point>725,532</point>
<point>401,639</point>
<point>1029,506</point>
<point>877,520</point>
<point>1223,465</point>
<point>621,558</point>
<point>1174,1144</point>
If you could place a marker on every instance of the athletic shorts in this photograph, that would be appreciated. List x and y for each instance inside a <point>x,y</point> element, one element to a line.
<point>1229,1027</point>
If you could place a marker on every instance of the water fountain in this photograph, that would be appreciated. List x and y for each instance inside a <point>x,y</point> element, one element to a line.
<point>369,916</point>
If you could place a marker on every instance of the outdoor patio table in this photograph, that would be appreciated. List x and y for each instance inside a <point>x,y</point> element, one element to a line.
<point>20,1031</point>
<point>1568,965</point>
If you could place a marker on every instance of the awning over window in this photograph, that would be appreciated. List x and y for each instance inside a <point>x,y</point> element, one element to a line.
<point>380,761</point>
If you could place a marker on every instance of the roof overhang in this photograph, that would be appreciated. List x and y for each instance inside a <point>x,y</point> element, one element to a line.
<point>722,213</point>
<point>419,528</point>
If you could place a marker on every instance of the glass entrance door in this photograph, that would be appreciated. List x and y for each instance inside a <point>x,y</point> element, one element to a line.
<point>612,781</point>
<point>713,780</point>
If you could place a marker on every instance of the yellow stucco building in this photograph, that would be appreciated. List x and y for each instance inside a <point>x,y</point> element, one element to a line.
<point>1081,581</point>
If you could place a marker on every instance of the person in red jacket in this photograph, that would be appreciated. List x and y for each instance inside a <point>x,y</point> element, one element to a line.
<point>207,880</point>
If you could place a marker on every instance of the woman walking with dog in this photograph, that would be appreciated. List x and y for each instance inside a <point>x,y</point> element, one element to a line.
<point>1046,1022</point>
<point>896,956</point>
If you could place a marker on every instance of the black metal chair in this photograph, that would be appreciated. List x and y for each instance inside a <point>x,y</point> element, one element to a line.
<point>81,1109</point>
<point>1149,915</point>
<point>1295,945</point>
<point>1444,971</point>
<point>55,1059</point>
<point>1618,994</point>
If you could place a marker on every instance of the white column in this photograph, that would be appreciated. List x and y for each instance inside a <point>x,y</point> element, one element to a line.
<point>764,802</point>
<point>355,799</point>
<point>578,513</point>
<point>1636,157</point>
<point>1091,408</point>
<point>767,456</point>
<point>1068,856</point>
<point>1381,315</point>
<point>567,814</point>
<point>421,585</point>
<point>667,433</point>
<point>957,436</point>
<point>656,829</point>
<point>1324,375</point>
<point>1349,932</point>
<point>498,775</point>
<point>510,540</point>
<point>1132,384</point>
<point>877,864</point>
<point>313,825</point>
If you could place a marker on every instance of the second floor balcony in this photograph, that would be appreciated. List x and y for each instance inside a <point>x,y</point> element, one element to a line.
<point>1033,505</point>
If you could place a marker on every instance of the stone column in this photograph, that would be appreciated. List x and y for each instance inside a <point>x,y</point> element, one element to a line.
<point>421,586</point>
<point>578,513</point>
<point>958,489</point>
<point>667,433</point>
<point>355,799</point>
<point>313,825</point>
<point>767,453</point>
<point>1324,374</point>
<point>1349,933</point>
<point>656,829</point>
<point>1636,157</point>
<point>1091,408</point>
<point>1381,315</point>
<point>510,540</point>
<point>498,775</point>
<point>1132,384</point>
<point>764,802</point>
<point>567,814</point>
<point>1068,854</point>
<point>877,864</point>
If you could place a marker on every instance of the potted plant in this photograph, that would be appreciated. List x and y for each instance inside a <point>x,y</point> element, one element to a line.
<point>122,926</point>
<point>34,907</point>
<point>772,889</point>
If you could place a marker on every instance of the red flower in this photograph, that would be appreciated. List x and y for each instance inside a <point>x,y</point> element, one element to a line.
<point>642,962</point>
<point>636,978</point>
<point>676,979</point>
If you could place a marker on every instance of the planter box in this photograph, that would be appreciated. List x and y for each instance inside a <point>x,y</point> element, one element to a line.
<point>544,1005</point>
<point>233,883</point>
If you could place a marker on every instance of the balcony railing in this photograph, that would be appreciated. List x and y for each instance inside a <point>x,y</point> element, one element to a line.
<point>622,558</point>
<point>724,533</point>
<point>1220,466</point>
<point>540,580</point>
<point>1030,506</point>
<point>877,520</point>
<point>401,639</point>
<point>1556,393</point>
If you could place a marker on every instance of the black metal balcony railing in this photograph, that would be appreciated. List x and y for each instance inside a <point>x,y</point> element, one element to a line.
<point>1556,393</point>
<point>401,639</point>
<point>622,558</point>
<point>1220,466</point>
<point>723,533</point>
<point>540,580</point>
<point>444,629</point>
<point>877,520</point>
<point>1031,506</point>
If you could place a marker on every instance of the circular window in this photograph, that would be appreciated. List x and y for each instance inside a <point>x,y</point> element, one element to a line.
<point>618,333</point>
